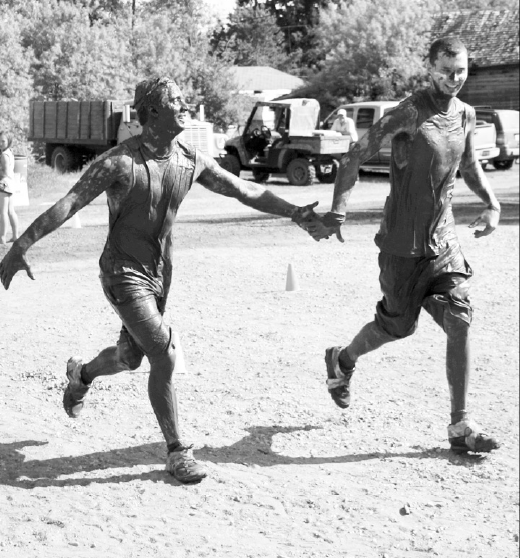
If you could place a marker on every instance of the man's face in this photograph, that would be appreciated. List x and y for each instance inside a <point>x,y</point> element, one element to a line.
<point>4,143</point>
<point>449,73</point>
<point>173,111</point>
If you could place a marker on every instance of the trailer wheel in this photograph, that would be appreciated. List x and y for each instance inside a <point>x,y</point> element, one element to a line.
<point>301,172</point>
<point>328,177</point>
<point>260,175</point>
<point>63,159</point>
<point>231,164</point>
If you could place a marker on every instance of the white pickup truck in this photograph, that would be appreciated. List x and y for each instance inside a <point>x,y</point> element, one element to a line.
<point>367,113</point>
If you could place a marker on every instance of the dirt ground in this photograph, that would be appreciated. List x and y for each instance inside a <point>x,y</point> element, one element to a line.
<point>290,474</point>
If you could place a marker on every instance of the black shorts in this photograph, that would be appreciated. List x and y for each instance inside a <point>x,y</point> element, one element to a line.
<point>408,284</point>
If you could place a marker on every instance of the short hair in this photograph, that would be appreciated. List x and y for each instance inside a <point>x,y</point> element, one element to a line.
<point>8,135</point>
<point>150,92</point>
<point>450,46</point>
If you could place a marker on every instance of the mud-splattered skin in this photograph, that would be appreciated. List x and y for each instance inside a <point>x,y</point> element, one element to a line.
<point>112,172</point>
<point>401,129</point>
<point>146,179</point>
<point>421,264</point>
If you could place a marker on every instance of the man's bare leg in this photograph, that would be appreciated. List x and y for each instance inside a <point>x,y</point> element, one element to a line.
<point>464,434</point>
<point>341,362</point>
<point>369,338</point>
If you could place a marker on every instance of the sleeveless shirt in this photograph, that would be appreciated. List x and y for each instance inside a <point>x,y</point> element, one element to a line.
<point>139,244</point>
<point>417,218</point>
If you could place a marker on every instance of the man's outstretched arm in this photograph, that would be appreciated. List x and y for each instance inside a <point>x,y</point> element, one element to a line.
<point>473,174</point>
<point>402,118</point>
<point>100,175</point>
<point>216,179</point>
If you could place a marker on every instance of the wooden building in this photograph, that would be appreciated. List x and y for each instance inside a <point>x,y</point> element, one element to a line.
<point>492,39</point>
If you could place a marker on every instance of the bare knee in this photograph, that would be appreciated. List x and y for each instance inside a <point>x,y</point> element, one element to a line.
<point>451,313</point>
<point>163,362</point>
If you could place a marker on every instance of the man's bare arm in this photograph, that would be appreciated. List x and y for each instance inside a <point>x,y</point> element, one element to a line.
<point>473,175</point>
<point>102,174</point>
<point>214,178</point>
<point>402,118</point>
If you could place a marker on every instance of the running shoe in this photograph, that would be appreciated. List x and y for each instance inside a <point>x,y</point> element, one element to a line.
<point>467,435</point>
<point>182,465</point>
<point>338,382</point>
<point>76,391</point>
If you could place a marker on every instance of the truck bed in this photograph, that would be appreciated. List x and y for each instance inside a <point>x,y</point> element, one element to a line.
<point>320,144</point>
<point>75,122</point>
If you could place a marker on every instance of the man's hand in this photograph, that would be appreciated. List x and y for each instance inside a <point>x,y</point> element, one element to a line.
<point>306,218</point>
<point>325,226</point>
<point>13,262</point>
<point>489,217</point>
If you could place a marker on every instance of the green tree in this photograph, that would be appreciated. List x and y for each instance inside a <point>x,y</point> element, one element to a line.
<point>372,53</point>
<point>252,38</point>
<point>297,19</point>
<point>174,40</point>
<point>15,79</point>
<point>74,57</point>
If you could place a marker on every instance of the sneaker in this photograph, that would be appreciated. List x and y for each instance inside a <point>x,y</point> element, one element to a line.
<point>182,465</point>
<point>467,435</point>
<point>76,391</point>
<point>338,382</point>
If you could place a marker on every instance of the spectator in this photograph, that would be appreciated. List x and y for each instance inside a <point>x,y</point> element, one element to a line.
<point>7,212</point>
<point>345,125</point>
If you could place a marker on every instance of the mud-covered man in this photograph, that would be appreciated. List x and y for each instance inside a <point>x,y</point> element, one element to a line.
<point>145,180</point>
<point>431,134</point>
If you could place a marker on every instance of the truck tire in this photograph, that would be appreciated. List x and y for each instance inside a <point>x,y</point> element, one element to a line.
<point>63,160</point>
<point>503,165</point>
<point>329,177</point>
<point>301,172</point>
<point>230,163</point>
<point>260,175</point>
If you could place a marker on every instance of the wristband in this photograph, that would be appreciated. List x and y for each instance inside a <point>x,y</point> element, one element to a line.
<point>493,207</point>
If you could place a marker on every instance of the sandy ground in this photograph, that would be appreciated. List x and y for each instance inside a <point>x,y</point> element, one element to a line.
<point>290,474</point>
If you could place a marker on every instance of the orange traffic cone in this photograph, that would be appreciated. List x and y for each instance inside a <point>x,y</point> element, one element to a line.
<point>291,283</point>
<point>180,365</point>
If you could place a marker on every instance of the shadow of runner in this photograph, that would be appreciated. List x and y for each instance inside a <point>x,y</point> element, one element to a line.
<point>254,449</point>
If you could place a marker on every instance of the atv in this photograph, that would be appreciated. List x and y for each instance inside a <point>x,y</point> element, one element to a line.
<point>281,137</point>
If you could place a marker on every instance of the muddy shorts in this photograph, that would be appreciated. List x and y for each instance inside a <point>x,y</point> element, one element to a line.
<point>141,309</point>
<point>439,285</point>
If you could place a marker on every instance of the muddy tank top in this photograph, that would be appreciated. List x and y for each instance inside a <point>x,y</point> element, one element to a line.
<point>139,242</point>
<point>418,218</point>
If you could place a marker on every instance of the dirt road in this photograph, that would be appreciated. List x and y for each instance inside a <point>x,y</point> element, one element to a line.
<point>290,474</point>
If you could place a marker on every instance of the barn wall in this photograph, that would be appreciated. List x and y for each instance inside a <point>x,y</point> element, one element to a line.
<point>496,86</point>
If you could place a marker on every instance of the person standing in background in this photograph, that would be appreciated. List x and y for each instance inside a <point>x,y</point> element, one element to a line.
<point>345,125</point>
<point>7,212</point>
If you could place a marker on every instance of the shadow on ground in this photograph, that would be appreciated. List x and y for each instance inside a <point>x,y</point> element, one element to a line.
<point>253,449</point>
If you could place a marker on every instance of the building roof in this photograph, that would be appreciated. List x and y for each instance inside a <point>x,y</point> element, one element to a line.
<point>264,78</point>
<point>491,36</point>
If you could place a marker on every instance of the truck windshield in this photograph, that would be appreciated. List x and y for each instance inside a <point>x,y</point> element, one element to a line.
<point>263,116</point>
